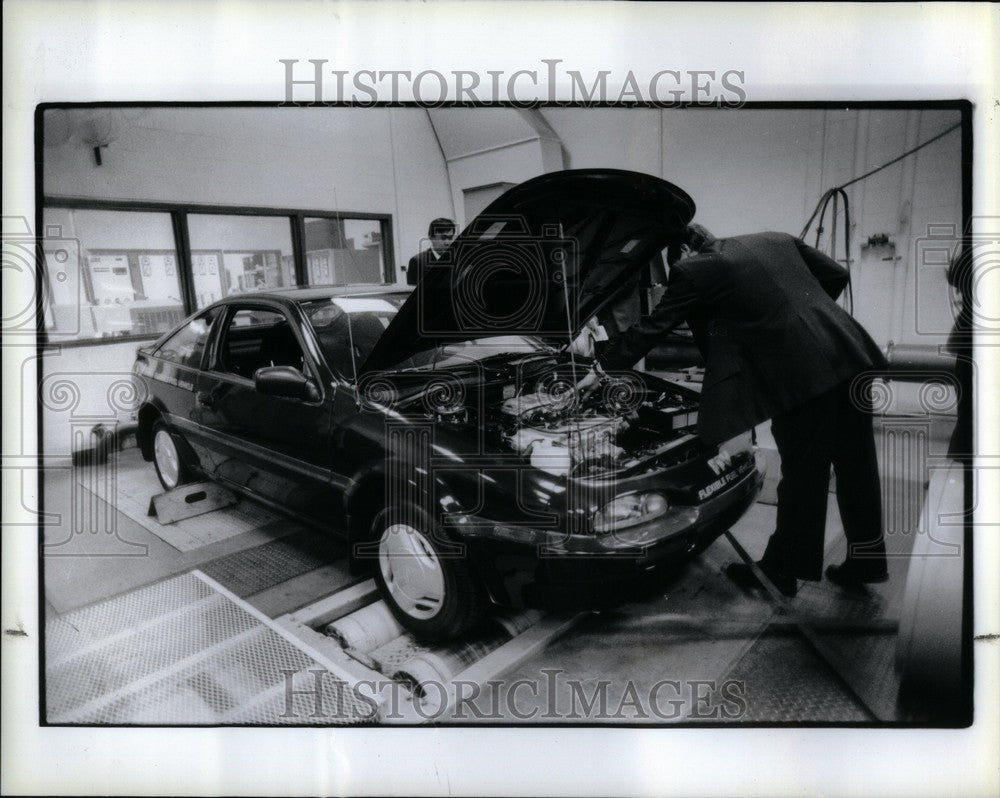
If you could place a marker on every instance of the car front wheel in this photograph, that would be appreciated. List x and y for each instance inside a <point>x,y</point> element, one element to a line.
<point>425,579</point>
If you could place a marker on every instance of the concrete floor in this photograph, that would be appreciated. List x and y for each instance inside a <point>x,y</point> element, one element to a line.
<point>706,650</point>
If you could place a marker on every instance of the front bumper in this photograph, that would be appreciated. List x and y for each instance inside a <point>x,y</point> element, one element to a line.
<point>580,572</point>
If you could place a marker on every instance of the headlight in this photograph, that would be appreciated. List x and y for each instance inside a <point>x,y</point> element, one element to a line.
<point>625,511</point>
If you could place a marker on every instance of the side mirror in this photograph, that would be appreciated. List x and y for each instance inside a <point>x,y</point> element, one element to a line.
<point>285,381</point>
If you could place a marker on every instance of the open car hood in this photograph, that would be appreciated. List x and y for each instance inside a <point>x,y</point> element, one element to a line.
<point>541,260</point>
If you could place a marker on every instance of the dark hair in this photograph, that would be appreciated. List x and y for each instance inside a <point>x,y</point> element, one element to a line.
<point>697,237</point>
<point>440,225</point>
<point>693,236</point>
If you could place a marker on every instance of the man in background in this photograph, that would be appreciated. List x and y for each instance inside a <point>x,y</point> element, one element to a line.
<point>777,346</point>
<point>441,233</point>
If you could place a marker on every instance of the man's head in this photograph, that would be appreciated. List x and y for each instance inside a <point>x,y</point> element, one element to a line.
<point>690,241</point>
<point>698,238</point>
<point>441,232</point>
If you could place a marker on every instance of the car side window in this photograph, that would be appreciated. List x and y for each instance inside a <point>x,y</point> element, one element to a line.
<point>255,338</point>
<point>186,347</point>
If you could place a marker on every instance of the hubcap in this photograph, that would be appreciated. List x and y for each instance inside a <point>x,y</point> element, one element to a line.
<point>411,571</point>
<point>167,460</point>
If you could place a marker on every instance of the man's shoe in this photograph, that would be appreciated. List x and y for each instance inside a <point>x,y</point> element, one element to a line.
<point>851,573</point>
<point>744,577</point>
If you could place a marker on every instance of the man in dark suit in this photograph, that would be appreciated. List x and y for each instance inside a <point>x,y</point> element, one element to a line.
<point>777,345</point>
<point>440,232</point>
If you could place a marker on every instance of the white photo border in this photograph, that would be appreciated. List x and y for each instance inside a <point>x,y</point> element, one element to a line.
<point>230,51</point>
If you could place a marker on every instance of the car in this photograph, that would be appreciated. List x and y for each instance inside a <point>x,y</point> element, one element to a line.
<point>439,431</point>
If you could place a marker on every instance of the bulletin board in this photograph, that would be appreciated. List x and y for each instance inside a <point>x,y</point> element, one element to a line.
<point>132,292</point>
<point>207,273</point>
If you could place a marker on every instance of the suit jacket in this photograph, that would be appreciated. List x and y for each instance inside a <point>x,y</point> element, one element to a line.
<point>418,265</point>
<point>763,312</point>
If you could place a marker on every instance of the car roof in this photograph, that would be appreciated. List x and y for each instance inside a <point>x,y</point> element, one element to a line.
<point>322,292</point>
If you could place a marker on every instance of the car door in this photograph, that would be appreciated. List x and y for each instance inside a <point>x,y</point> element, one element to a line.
<point>275,447</point>
<point>176,367</point>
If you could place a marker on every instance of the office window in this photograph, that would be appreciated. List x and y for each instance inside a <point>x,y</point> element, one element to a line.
<point>341,251</point>
<point>114,274</point>
<point>239,254</point>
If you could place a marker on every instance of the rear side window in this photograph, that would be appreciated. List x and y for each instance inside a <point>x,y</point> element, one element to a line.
<point>186,347</point>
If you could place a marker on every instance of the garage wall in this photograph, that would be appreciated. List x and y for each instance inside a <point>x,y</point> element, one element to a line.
<point>511,164</point>
<point>748,170</point>
<point>902,294</point>
<point>383,160</point>
<point>615,138</point>
<point>765,169</point>
<point>485,146</point>
<point>83,387</point>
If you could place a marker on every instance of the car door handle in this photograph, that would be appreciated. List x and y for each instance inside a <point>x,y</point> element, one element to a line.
<point>205,399</point>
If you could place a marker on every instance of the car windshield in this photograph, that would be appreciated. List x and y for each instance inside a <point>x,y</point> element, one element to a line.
<point>341,323</point>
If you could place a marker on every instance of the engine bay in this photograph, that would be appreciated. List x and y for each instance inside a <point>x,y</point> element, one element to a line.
<point>531,407</point>
<point>619,422</point>
<point>560,438</point>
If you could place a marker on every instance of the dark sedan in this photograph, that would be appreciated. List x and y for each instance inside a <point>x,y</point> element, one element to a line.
<point>440,431</point>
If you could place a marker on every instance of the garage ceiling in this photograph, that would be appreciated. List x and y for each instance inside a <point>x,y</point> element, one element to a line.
<point>465,131</point>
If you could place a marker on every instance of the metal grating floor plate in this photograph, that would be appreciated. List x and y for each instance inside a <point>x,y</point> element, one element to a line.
<point>180,652</point>
<point>72,631</point>
<point>787,682</point>
<point>261,567</point>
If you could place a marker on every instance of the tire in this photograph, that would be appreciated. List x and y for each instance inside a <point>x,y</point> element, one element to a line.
<point>429,587</point>
<point>167,458</point>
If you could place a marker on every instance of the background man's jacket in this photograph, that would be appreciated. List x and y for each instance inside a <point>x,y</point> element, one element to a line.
<point>763,312</point>
<point>418,265</point>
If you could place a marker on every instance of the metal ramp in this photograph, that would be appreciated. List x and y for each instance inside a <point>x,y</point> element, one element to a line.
<point>188,501</point>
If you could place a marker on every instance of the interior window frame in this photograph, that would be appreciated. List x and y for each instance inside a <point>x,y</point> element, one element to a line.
<point>179,214</point>
<point>43,279</point>
<point>385,225</point>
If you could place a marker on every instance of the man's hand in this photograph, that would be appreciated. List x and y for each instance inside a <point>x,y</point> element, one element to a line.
<point>728,449</point>
<point>590,382</point>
